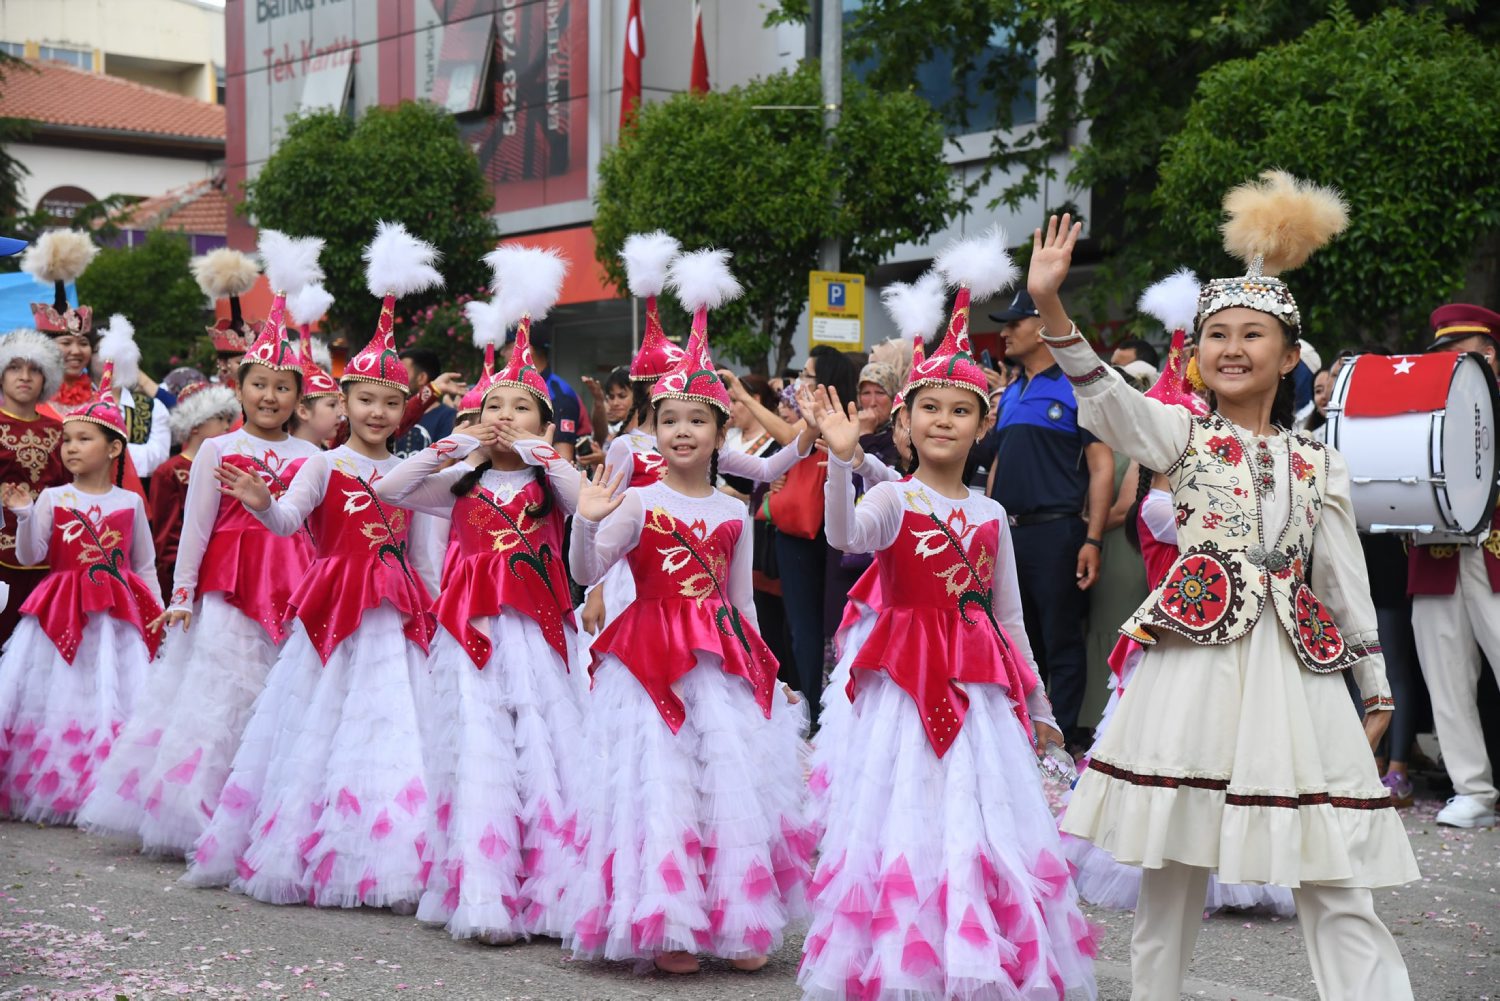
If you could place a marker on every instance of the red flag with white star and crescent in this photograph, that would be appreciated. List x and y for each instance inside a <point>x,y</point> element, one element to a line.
<point>1384,386</point>
<point>635,51</point>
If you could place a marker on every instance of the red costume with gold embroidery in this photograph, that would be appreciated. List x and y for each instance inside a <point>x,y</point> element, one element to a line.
<point>29,454</point>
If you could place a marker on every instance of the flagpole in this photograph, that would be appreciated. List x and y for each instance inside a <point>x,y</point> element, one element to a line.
<point>831,63</point>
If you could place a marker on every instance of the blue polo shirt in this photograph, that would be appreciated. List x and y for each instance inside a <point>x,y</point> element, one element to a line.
<point>1037,447</point>
<point>567,411</point>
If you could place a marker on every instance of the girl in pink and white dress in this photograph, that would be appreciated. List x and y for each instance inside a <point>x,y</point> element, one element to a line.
<point>503,728</point>
<point>82,648</point>
<point>327,802</point>
<point>231,587</point>
<point>940,872</point>
<point>696,838</point>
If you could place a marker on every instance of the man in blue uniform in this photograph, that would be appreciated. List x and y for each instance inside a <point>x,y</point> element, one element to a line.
<point>1056,482</point>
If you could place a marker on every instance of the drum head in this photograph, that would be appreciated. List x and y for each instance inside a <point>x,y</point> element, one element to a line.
<point>1471,462</point>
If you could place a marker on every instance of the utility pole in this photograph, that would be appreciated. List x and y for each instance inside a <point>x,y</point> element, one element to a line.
<point>831,62</point>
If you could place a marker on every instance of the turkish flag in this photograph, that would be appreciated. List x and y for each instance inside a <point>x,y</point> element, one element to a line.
<point>699,81</point>
<point>635,51</point>
<point>1384,386</point>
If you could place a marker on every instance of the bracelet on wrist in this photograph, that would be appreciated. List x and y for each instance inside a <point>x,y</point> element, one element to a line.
<point>1097,543</point>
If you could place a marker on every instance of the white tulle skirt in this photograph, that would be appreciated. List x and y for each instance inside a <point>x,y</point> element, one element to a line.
<point>504,748</point>
<point>1104,882</point>
<point>697,840</point>
<point>832,739</point>
<point>162,781</point>
<point>59,721</point>
<point>327,802</point>
<point>941,877</point>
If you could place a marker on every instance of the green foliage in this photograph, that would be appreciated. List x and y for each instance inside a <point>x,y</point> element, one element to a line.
<point>334,178</point>
<point>12,130</point>
<point>713,171</point>
<point>1403,114</point>
<point>151,285</point>
<point>443,328</point>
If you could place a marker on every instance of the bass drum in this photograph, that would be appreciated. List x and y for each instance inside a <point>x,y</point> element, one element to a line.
<point>1418,433</point>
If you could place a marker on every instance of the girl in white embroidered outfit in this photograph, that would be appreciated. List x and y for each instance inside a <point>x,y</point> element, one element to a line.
<point>231,585</point>
<point>1236,746</point>
<point>327,801</point>
<point>940,874</point>
<point>696,841</point>
<point>503,726</point>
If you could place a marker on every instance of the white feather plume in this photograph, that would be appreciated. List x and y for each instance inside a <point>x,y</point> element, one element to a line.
<point>979,263</point>
<point>290,262</point>
<point>487,321</point>
<point>399,264</point>
<point>58,255</point>
<point>701,280</point>
<point>320,353</point>
<point>917,308</point>
<point>224,272</point>
<point>647,257</point>
<point>309,304</point>
<point>528,281</point>
<point>1173,301</point>
<point>117,344</point>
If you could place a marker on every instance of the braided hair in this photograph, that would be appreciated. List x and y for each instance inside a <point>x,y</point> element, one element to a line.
<point>541,508</point>
<point>1144,477</point>
<point>110,434</point>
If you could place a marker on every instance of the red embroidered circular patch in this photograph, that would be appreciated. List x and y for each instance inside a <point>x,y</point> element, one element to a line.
<point>1316,631</point>
<point>1197,593</point>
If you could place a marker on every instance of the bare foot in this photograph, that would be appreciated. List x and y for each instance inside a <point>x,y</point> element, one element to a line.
<point>750,963</point>
<point>677,962</point>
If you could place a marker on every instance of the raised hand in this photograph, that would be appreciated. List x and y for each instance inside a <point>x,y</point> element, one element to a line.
<point>1051,256</point>
<point>450,384</point>
<point>245,487</point>
<point>16,496</point>
<point>506,436</point>
<point>600,494</point>
<point>840,425</point>
<point>595,390</point>
<point>486,434</point>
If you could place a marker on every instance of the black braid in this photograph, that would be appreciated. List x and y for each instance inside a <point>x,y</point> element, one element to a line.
<point>713,469</point>
<point>1132,525</point>
<point>467,481</point>
<point>110,436</point>
<point>640,406</point>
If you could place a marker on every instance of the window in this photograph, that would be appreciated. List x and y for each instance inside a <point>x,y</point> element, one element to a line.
<point>82,58</point>
<point>977,107</point>
<point>17,49</point>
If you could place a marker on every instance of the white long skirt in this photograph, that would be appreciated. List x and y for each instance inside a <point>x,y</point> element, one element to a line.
<point>327,802</point>
<point>941,877</point>
<point>504,748</point>
<point>162,781</point>
<point>697,841</point>
<point>832,739</point>
<point>59,721</point>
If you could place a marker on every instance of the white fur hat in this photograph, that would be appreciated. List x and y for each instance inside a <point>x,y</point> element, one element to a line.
<point>202,405</point>
<point>40,350</point>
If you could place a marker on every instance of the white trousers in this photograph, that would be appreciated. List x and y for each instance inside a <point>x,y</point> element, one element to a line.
<point>1451,630</point>
<point>1353,956</point>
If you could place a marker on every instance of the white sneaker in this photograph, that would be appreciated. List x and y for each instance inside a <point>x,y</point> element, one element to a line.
<point>1466,811</point>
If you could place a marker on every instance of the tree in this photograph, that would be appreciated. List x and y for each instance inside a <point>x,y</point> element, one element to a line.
<point>334,178</point>
<point>1125,70</point>
<point>712,170</point>
<point>149,284</point>
<point>1403,114</point>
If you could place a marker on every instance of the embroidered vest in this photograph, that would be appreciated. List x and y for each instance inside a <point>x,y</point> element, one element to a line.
<point>1228,569</point>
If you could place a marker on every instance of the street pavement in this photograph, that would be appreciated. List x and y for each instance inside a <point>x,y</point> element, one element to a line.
<point>85,917</point>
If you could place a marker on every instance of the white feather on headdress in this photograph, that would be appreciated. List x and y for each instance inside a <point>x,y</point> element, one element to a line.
<point>702,280</point>
<point>205,404</point>
<point>979,263</point>
<point>487,321</point>
<point>399,264</point>
<point>647,257</point>
<point>38,349</point>
<point>528,280</point>
<point>309,304</point>
<point>320,353</point>
<point>917,308</point>
<point>117,344</point>
<point>1173,301</point>
<point>290,262</point>
<point>223,272</point>
<point>59,255</point>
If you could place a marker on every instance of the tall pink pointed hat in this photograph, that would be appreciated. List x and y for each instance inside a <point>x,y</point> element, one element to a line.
<point>917,310</point>
<point>396,264</point>
<point>489,331</point>
<point>1173,301</point>
<point>647,257</point>
<point>701,281</point>
<point>978,267</point>
<point>528,282</point>
<point>307,306</point>
<point>102,409</point>
<point>290,264</point>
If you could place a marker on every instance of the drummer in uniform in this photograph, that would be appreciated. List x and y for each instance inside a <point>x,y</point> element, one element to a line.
<point>1456,610</point>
